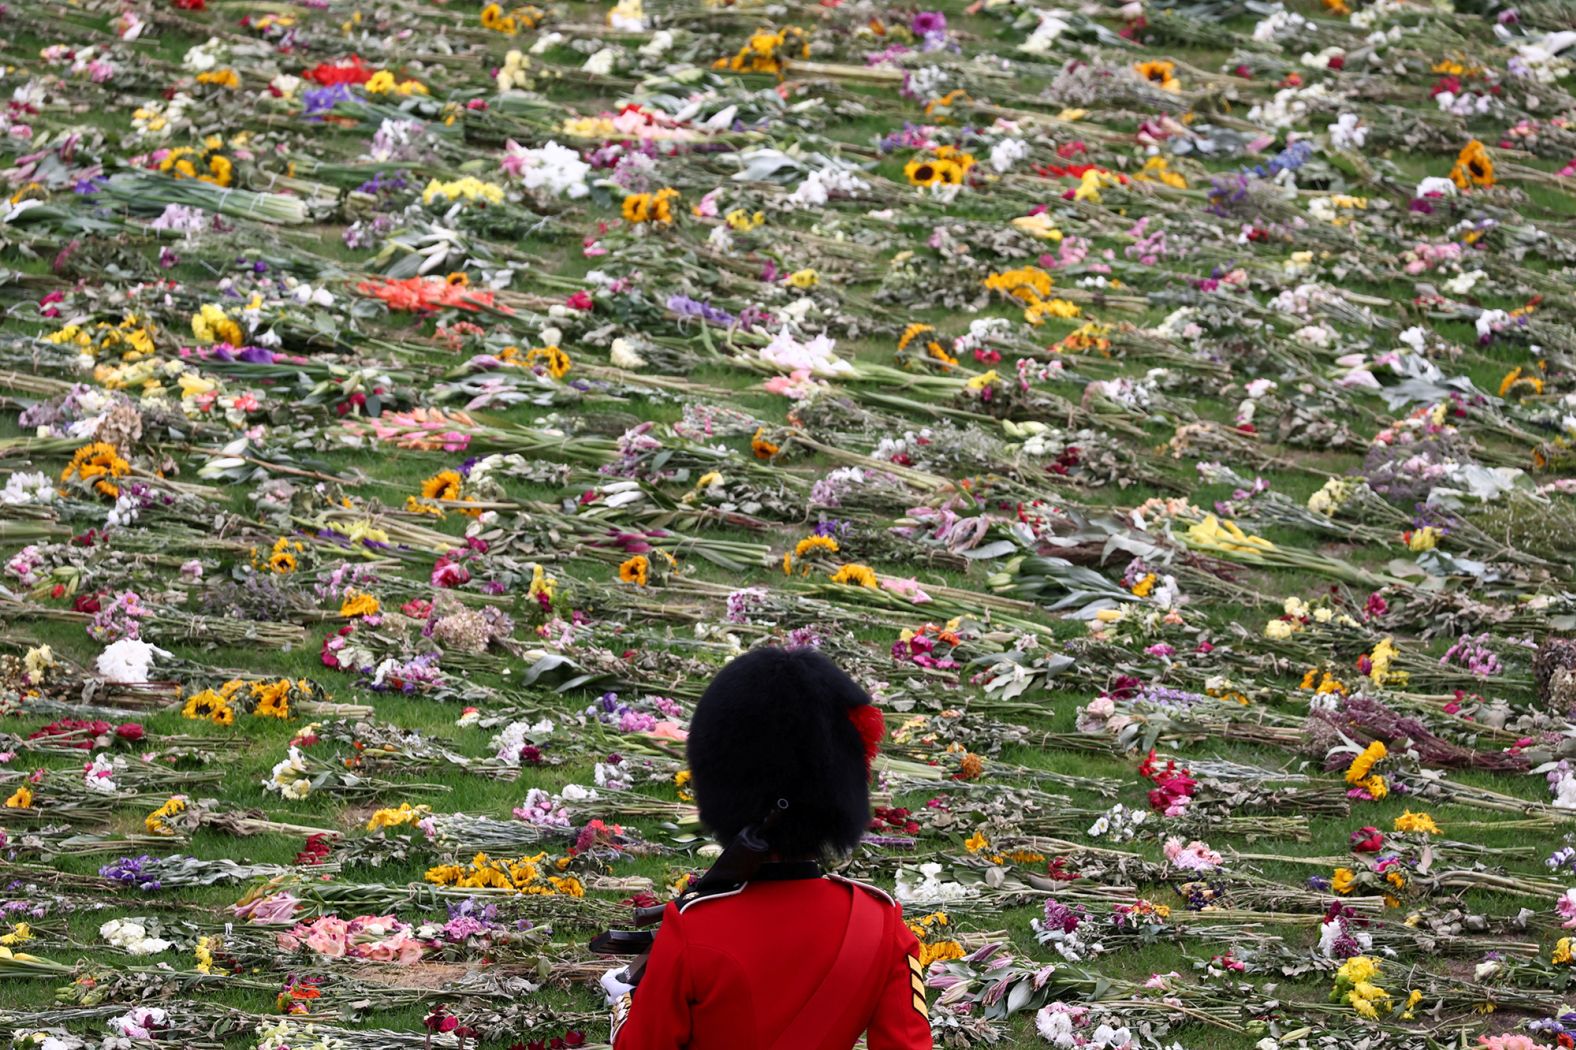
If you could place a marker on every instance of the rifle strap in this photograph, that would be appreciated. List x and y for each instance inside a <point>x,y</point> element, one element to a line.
<point>838,992</point>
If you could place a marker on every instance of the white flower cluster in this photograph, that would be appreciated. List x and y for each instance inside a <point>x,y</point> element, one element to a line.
<point>132,936</point>
<point>1119,824</point>
<point>1069,946</point>
<point>200,58</point>
<point>1006,153</point>
<point>508,743</point>
<point>128,661</point>
<point>1289,107</point>
<point>1052,25</point>
<point>929,889</point>
<point>818,187</point>
<point>555,170</point>
<point>99,775</point>
<point>289,778</point>
<point>23,488</point>
<point>1282,24</point>
<point>289,1035</point>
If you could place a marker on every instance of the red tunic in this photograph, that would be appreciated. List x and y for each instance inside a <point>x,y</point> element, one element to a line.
<point>731,971</point>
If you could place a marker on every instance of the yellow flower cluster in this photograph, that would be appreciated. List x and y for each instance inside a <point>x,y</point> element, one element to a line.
<point>933,351</point>
<point>1423,539</point>
<point>1473,167</point>
<point>1156,169</point>
<point>523,875</point>
<point>393,818</point>
<point>1564,952</point>
<point>765,51</point>
<point>203,952</point>
<point>272,699</point>
<point>742,221</point>
<point>856,575</point>
<point>1225,537</point>
<point>1381,658</point>
<point>944,166</point>
<point>1322,682</point>
<point>359,603</point>
<point>212,325</point>
<point>552,358</point>
<point>1360,773</point>
<point>19,933</point>
<point>1355,985</point>
<point>1331,497</point>
<point>542,585</point>
<point>1420,823</point>
<point>1161,74</point>
<point>213,705</point>
<point>934,945</point>
<point>1031,286</point>
<point>212,166</point>
<point>225,78</point>
<point>806,549</point>
<point>281,557</point>
<point>383,83</point>
<point>650,207</point>
<point>1092,182</point>
<point>468,189</point>
<point>157,822</point>
<point>21,798</point>
<point>94,463</point>
<point>132,338</point>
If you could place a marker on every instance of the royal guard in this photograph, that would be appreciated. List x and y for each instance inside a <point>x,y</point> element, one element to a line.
<point>767,951</point>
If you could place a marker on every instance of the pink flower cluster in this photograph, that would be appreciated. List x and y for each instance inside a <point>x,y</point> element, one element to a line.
<point>375,938</point>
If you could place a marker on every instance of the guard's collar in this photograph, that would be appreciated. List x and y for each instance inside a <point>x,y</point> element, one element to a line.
<point>780,871</point>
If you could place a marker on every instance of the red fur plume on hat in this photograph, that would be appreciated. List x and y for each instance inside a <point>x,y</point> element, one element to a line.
<point>867,718</point>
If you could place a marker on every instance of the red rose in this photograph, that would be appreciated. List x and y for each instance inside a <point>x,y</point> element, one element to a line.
<point>131,732</point>
<point>1367,840</point>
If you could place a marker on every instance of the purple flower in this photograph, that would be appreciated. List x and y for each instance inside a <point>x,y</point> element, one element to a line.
<point>929,24</point>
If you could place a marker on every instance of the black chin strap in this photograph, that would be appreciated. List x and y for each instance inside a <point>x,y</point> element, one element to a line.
<point>742,857</point>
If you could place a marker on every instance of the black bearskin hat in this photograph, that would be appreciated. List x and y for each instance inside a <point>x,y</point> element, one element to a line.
<point>775,724</point>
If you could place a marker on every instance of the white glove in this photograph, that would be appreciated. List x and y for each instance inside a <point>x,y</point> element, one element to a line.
<point>614,986</point>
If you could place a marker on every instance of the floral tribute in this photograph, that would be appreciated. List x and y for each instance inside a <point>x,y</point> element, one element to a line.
<point>1166,410</point>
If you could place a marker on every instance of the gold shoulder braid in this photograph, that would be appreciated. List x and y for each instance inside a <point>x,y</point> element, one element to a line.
<point>620,1015</point>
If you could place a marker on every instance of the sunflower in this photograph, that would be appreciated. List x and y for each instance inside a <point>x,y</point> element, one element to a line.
<point>493,18</point>
<point>1474,167</point>
<point>810,544</point>
<point>95,463</point>
<point>1514,379</point>
<point>636,570</point>
<point>856,575</point>
<point>282,559</point>
<point>273,699</point>
<point>921,171</point>
<point>1027,284</point>
<point>1364,763</point>
<point>637,207</point>
<point>554,359</point>
<point>762,448</point>
<point>359,603</point>
<point>662,205</point>
<point>445,484</point>
<point>911,333</point>
<point>1160,73</point>
<point>208,706</point>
